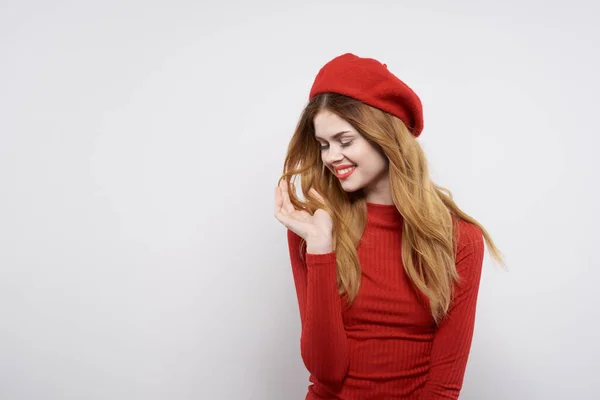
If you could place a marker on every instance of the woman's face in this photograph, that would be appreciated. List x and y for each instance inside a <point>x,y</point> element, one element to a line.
<point>355,161</point>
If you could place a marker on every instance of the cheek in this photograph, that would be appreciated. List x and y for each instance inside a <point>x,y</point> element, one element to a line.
<point>356,155</point>
<point>373,165</point>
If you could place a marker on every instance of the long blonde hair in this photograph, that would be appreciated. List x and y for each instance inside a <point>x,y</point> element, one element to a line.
<point>429,212</point>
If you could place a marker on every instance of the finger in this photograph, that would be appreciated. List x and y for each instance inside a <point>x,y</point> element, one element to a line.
<point>287,207</point>
<point>282,217</point>
<point>280,213</point>
<point>293,224</point>
<point>278,199</point>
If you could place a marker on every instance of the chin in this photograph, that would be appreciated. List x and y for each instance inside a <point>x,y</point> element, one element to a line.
<point>350,188</point>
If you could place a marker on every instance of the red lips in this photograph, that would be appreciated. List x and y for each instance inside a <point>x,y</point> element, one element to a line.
<point>346,174</point>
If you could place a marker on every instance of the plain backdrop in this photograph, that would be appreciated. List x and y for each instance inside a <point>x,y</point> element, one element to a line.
<point>140,143</point>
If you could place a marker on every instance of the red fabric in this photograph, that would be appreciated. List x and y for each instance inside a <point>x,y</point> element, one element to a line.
<point>386,345</point>
<point>369,81</point>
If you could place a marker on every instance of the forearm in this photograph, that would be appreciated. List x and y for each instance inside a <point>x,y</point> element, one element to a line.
<point>323,344</point>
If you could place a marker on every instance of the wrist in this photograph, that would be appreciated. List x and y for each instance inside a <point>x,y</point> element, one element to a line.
<point>318,247</point>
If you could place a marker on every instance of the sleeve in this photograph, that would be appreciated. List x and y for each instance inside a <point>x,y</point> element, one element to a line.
<point>323,340</point>
<point>452,340</point>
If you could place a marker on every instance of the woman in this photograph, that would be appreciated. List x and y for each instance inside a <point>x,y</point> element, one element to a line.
<point>385,264</point>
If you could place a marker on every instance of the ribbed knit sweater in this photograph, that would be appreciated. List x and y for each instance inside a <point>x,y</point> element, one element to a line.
<point>386,344</point>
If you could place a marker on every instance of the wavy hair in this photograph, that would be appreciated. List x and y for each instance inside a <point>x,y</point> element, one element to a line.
<point>429,212</point>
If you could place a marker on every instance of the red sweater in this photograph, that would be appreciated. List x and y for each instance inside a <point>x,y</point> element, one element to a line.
<point>386,345</point>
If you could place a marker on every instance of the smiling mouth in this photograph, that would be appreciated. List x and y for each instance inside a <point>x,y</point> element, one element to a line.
<point>344,172</point>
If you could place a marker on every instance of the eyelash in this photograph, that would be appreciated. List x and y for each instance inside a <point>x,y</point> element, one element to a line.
<point>341,144</point>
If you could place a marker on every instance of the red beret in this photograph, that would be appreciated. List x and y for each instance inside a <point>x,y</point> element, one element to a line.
<point>369,81</point>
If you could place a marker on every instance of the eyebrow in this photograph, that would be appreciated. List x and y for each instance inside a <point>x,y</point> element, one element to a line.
<point>337,135</point>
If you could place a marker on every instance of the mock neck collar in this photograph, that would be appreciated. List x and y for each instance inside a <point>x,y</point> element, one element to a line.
<point>383,215</point>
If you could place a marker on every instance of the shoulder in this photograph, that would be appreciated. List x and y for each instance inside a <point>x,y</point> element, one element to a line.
<point>470,250</point>
<point>468,235</point>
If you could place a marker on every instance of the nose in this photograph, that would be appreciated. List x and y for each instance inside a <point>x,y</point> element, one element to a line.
<point>333,155</point>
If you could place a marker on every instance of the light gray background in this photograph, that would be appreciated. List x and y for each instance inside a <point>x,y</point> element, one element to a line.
<point>141,142</point>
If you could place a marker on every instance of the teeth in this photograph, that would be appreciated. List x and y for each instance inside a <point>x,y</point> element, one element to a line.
<point>345,170</point>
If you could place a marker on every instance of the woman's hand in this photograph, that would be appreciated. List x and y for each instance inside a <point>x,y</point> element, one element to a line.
<point>315,229</point>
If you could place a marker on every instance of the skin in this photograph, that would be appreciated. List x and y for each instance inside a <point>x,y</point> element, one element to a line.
<point>316,229</point>
<point>351,148</point>
<point>341,145</point>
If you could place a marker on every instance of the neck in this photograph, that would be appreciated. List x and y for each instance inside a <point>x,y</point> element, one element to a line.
<point>383,216</point>
<point>379,192</point>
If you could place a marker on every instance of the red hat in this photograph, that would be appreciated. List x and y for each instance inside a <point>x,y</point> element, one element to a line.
<point>369,81</point>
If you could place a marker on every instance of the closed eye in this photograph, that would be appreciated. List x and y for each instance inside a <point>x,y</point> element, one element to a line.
<point>342,144</point>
